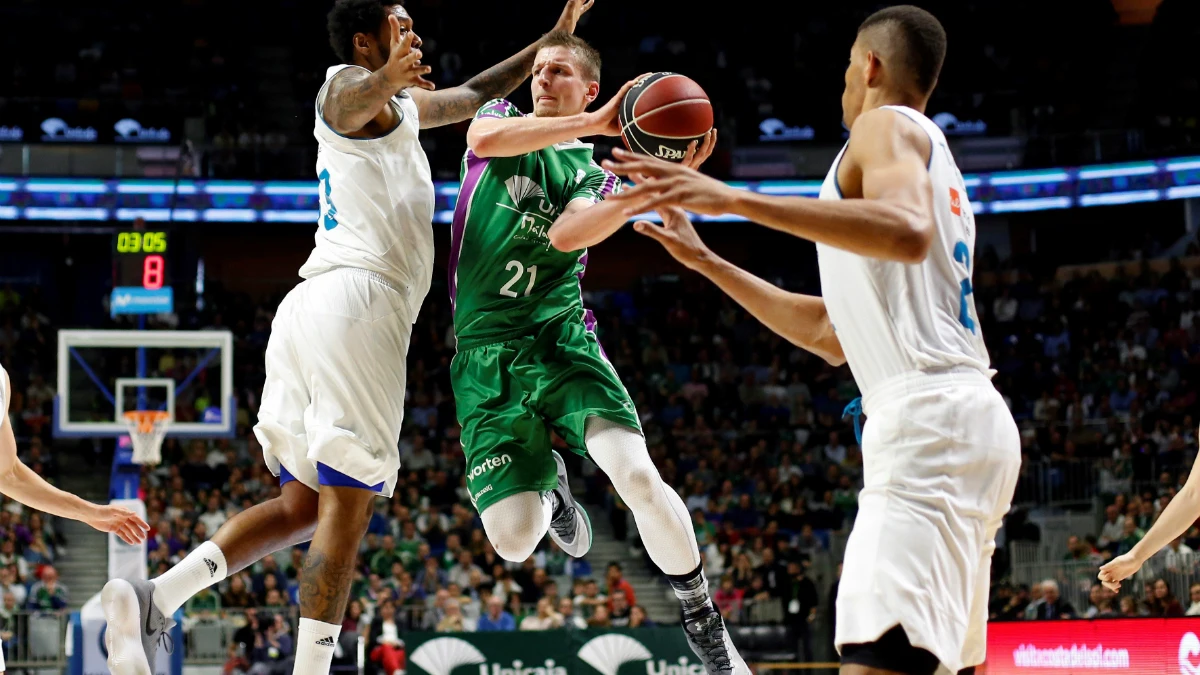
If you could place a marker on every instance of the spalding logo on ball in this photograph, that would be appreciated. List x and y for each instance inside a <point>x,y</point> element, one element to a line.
<point>662,113</point>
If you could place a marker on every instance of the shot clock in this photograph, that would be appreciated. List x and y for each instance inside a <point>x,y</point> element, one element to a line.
<point>141,278</point>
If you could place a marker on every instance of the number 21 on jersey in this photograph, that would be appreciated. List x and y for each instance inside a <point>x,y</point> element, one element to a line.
<point>518,271</point>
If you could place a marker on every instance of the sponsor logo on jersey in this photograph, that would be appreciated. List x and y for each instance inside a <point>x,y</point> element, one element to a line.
<point>521,188</point>
<point>668,153</point>
<point>537,214</point>
<point>487,465</point>
<point>482,492</point>
<point>955,202</point>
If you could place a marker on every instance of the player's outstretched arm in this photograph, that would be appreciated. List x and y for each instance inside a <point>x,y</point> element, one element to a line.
<point>458,104</point>
<point>894,220</point>
<point>513,136</point>
<point>491,136</point>
<point>584,223</point>
<point>801,319</point>
<point>24,485</point>
<point>1175,520</point>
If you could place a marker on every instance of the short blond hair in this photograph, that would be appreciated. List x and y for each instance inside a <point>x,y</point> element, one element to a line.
<point>586,56</point>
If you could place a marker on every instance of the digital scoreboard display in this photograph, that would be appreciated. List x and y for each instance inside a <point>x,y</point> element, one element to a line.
<point>141,274</point>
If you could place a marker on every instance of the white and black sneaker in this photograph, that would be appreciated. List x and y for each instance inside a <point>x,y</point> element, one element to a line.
<point>135,627</point>
<point>571,528</point>
<point>710,642</point>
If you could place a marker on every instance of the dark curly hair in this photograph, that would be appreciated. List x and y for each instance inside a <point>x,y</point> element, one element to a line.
<point>354,16</point>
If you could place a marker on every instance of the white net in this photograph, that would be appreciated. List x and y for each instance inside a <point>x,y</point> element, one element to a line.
<point>147,429</point>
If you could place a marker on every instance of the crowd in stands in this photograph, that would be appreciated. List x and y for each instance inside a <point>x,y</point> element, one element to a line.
<point>749,428</point>
<point>166,61</point>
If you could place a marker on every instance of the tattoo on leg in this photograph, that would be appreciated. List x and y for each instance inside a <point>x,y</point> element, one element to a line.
<point>325,587</point>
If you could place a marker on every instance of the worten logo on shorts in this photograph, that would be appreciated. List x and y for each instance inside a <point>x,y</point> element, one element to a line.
<point>487,465</point>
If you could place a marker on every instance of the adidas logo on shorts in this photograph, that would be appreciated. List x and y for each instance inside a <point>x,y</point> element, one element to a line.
<point>487,465</point>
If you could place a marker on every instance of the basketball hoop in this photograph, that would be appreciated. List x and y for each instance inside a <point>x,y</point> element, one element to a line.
<point>147,429</point>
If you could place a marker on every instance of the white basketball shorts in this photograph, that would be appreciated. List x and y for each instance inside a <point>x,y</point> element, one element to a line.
<point>333,400</point>
<point>941,454</point>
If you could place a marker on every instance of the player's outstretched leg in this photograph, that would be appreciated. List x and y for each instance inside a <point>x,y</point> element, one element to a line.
<point>516,524</point>
<point>343,516</point>
<point>570,526</point>
<point>666,529</point>
<point>139,612</point>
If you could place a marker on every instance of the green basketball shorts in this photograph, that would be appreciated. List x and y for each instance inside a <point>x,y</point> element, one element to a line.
<point>510,395</point>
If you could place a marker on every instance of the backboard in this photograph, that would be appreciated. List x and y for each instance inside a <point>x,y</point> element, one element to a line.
<point>103,374</point>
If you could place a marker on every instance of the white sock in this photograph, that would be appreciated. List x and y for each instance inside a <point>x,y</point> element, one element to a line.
<point>661,516</point>
<point>315,642</point>
<point>200,569</point>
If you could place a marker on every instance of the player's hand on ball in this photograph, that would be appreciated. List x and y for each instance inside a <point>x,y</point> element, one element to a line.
<point>120,521</point>
<point>403,68</point>
<point>697,155</point>
<point>1117,570</point>
<point>667,184</point>
<point>677,235</point>
<point>571,14</point>
<point>607,120</point>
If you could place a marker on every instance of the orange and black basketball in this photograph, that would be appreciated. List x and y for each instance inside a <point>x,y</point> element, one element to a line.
<point>662,114</point>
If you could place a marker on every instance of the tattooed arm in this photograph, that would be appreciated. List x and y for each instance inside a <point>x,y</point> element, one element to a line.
<point>356,97</point>
<point>458,104</point>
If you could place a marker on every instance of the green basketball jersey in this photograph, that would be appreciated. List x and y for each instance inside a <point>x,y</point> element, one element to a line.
<point>506,279</point>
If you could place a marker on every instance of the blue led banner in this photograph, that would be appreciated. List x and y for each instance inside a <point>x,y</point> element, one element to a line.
<point>138,300</point>
<point>297,202</point>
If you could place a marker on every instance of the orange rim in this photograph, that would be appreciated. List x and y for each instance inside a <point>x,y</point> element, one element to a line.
<point>146,419</point>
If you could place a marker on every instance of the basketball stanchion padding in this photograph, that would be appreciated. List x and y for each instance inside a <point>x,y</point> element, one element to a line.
<point>147,429</point>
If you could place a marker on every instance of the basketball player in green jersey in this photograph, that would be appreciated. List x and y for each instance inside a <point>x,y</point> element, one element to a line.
<point>528,360</point>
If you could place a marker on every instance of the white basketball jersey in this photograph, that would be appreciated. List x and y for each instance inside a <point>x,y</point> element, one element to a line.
<point>377,202</point>
<point>892,318</point>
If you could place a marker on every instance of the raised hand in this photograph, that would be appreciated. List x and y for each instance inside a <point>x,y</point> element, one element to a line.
<point>677,235</point>
<point>663,184</point>
<point>696,156</point>
<point>120,521</point>
<point>607,120</point>
<point>571,13</point>
<point>403,68</point>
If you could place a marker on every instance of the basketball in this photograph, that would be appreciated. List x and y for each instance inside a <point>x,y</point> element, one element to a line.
<point>662,114</point>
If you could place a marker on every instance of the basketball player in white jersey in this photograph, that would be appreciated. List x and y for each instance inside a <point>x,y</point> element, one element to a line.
<point>333,400</point>
<point>20,483</point>
<point>895,240</point>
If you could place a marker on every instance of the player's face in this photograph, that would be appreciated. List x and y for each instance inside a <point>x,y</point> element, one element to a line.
<point>559,87</point>
<point>382,47</point>
<point>856,85</point>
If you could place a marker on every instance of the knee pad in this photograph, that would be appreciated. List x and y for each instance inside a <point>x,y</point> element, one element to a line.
<point>515,525</point>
